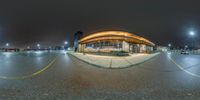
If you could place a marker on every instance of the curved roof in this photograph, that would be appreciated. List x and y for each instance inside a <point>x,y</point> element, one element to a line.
<point>115,35</point>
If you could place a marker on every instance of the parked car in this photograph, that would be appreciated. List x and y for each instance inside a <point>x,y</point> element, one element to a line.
<point>184,52</point>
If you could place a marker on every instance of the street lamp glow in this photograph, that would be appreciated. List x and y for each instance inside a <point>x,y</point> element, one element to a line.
<point>192,33</point>
<point>169,45</point>
<point>186,46</point>
<point>65,42</point>
<point>38,45</point>
<point>7,44</point>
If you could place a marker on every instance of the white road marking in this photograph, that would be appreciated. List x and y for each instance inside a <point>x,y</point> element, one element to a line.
<point>180,67</point>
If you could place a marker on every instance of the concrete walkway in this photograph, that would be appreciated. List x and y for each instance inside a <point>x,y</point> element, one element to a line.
<point>113,62</point>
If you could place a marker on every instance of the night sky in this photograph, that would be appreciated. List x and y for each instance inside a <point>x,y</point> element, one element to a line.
<point>50,22</point>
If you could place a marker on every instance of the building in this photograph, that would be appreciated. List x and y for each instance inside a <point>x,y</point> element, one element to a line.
<point>77,36</point>
<point>109,41</point>
<point>162,48</point>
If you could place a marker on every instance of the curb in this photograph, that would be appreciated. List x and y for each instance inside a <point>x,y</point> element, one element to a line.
<point>99,66</point>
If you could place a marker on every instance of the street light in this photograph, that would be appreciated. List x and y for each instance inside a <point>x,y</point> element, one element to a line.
<point>191,33</point>
<point>65,42</point>
<point>65,45</point>
<point>28,47</point>
<point>186,46</point>
<point>169,45</point>
<point>38,45</point>
<point>7,44</point>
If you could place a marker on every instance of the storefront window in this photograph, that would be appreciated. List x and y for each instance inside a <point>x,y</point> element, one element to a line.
<point>104,45</point>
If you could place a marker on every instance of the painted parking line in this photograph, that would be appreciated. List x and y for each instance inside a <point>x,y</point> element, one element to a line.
<point>182,68</point>
<point>31,75</point>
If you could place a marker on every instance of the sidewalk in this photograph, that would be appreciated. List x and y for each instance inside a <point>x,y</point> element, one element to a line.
<point>113,62</point>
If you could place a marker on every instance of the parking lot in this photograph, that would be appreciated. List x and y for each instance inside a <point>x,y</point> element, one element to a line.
<point>57,75</point>
<point>20,65</point>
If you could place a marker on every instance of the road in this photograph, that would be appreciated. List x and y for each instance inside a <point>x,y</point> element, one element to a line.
<point>58,76</point>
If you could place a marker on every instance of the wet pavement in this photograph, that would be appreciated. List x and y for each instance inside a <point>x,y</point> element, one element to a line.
<point>167,76</point>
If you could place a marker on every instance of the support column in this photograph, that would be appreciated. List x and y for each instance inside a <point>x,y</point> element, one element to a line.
<point>81,47</point>
<point>125,46</point>
<point>143,48</point>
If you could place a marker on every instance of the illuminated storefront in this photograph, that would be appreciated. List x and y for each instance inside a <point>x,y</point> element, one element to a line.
<point>108,41</point>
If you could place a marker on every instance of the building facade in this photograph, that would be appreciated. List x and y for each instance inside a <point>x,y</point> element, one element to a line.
<point>109,41</point>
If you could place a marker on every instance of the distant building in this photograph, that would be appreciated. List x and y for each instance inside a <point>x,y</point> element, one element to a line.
<point>109,41</point>
<point>77,36</point>
<point>162,48</point>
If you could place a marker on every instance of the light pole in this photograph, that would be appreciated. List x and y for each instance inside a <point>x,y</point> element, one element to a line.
<point>169,45</point>
<point>65,42</point>
<point>65,45</point>
<point>7,44</point>
<point>186,47</point>
<point>192,35</point>
<point>38,45</point>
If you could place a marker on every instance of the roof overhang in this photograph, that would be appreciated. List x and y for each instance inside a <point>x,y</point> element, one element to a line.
<point>115,35</point>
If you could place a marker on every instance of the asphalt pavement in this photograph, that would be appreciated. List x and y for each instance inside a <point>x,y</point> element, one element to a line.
<point>58,76</point>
